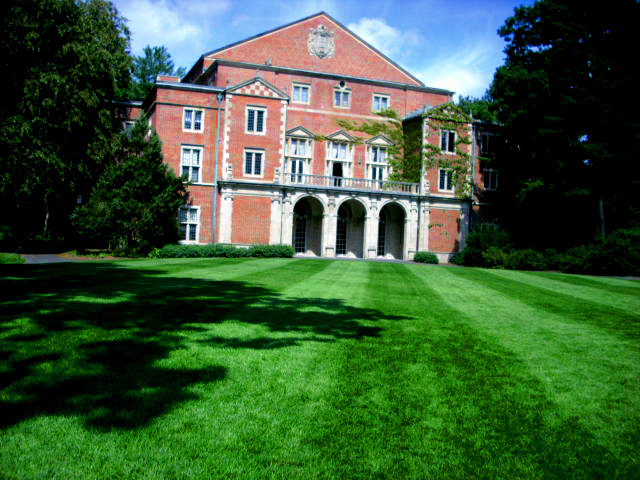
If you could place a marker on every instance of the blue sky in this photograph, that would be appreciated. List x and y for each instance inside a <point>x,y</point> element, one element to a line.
<point>448,44</point>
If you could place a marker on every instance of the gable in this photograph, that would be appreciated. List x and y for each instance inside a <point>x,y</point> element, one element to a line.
<point>340,136</point>
<point>380,140</point>
<point>257,87</point>
<point>317,43</point>
<point>299,132</point>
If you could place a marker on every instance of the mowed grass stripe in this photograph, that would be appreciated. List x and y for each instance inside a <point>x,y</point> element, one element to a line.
<point>610,301</point>
<point>591,373</point>
<point>614,285</point>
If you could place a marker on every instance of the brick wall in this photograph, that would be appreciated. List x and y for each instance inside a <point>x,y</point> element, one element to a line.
<point>444,230</point>
<point>251,220</point>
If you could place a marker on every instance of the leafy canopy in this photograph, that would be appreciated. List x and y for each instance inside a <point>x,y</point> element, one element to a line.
<point>62,62</point>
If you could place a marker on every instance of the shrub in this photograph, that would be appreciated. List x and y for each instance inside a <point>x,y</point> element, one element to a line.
<point>494,257</point>
<point>479,241</point>
<point>457,258</point>
<point>219,250</point>
<point>618,254</point>
<point>528,259</point>
<point>577,259</point>
<point>426,257</point>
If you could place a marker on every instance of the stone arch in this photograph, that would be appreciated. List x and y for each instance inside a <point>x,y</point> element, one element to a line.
<point>391,226</point>
<point>306,230</point>
<point>350,228</point>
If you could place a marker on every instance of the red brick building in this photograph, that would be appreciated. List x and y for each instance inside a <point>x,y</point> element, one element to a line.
<point>253,127</point>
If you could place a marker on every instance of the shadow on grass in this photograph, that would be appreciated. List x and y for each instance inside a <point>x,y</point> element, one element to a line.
<point>89,339</point>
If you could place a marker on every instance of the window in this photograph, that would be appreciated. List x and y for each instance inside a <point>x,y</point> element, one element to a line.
<point>299,157</point>
<point>253,162</point>
<point>191,161</point>
<point>484,143</point>
<point>338,151</point>
<point>189,218</point>
<point>490,179</point>
<point>193,120</point>
<point>448,141</point>
<point>446,181</point>
<point>301,93</point>
<point>377,163</point>
<point>256,117</point>
<point>381,102</point>
<point>342,98</point>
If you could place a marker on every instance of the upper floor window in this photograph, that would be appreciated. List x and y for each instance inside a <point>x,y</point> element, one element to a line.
<point>299,157</point>
<point>191,162</point>
<point>381,102</point>
<point>193,120</point>
<point>253,162</point>
<point>338,151</point>
<point>377,163</point>
<point>448,141</point>
<point>342,98</point>
<point>378,154</point>
<point>256,120</point>
<point>485,146</point>
<point>445,181</point>
<point>301,93</point>
<point>490,179</point>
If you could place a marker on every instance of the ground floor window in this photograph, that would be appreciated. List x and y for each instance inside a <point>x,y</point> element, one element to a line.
<point>300,217</point>
<point>189,219</point>
<point>341,231</point>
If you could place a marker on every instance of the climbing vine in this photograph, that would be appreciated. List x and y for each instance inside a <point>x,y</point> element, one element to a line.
<point>409,157</point>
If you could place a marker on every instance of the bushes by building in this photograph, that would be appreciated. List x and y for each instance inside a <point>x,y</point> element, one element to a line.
<point>617,254</point>
<point>426,257</point>
<point>219,250</point>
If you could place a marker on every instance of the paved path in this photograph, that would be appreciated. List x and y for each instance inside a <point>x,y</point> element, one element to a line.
<point>48,258</point>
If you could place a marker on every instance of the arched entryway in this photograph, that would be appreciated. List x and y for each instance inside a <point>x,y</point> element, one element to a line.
<point>307,226</point>
<point>350,229</point>
<point>391,231</point>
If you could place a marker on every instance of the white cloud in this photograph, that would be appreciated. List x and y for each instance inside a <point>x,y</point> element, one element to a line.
<point>184,29</point>
<point>389,40</point>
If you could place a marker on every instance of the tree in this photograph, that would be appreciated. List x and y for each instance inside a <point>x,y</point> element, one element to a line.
<point>567,99</point>
<point>479,108</point>
<point>134,205</point>
<point>62,62</point>
<point>156,61</point>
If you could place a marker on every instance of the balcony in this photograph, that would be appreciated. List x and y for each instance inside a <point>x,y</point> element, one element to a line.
<point>363,184</point>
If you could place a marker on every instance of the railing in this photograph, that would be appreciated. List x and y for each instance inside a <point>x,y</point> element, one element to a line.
<point>354,183</point>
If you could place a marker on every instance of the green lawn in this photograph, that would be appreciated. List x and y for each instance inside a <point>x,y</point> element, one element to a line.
<point>271,368</point>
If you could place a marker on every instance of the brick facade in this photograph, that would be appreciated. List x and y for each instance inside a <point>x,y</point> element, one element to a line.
<point>264,109</point>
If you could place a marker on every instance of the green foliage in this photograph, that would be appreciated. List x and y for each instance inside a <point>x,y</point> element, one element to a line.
<point>528,259</point>
<point>11,258</point>
<point>134,206</point>
<point>62,62</point>
<point>155,61</point>
<point>494,257</point>
<point>479,108</point>
<point>216,250</point>
<point>571,142</point>
<point>480,241</point>
<point>426,257</point>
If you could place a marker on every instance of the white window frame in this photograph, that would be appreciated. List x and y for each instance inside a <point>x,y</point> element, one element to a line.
<point>342,92</point>
<point>447,144</point>
<point>346,161</point>
<point>190,165</point>
<point>251,127</point>
<point>294,155</point>
<point>253,152</point>
<point>192,125</point>
<point>301,88</point>
<point>190,222</point>
<point>373,152</point>
<point>448,184</point>
<point>377,98</point>
<point>492,174</point>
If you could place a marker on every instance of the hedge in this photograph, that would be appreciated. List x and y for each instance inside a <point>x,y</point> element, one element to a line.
<point>219,250</point>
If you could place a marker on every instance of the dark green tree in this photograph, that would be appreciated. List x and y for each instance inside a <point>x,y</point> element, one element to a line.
<point>155,61</point>
<point>134,206</point>
<point>62,61</point>
<point>567,98</point>
<point>479,108</point>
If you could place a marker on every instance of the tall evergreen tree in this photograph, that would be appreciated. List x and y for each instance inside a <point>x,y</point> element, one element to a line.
<point>134,206</point>
<point>155,61</point>
<point>567,97</point>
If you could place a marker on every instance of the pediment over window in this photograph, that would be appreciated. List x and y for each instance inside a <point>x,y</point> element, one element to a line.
<point>340,136</point>
<point>299,132</point>
<point>380,140</point>
<point>258,87</point>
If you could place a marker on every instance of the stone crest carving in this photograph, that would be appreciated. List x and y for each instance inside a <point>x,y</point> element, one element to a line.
<point>321,42</point>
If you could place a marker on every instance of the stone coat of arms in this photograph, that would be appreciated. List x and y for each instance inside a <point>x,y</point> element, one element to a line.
<point>321,42</point>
